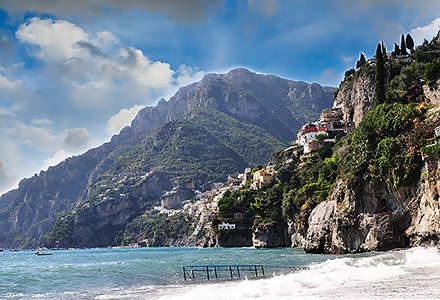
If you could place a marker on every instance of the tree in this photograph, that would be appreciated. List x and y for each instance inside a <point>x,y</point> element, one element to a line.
<point>396,49</point>
<point>379,76</point>
<point>384,49</point>
<point>403,45</point>
<point>410,42</point>
<point>361,62</point>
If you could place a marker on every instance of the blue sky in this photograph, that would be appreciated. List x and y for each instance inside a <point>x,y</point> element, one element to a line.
<point>73,73</point>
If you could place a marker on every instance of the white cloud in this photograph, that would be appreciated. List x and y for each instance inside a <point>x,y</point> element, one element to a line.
<point>36,137</point>
<point>74,140</point>
<point>41,122</point>
<point>188,75</point>
<point>425,32</point>
<point>121,119</point>
<point>7,84</point>
<point>92,61</point>
<point>56,41</point>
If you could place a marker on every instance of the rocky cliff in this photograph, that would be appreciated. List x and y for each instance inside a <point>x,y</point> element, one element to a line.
<point>363,215</point>
<point>355,95</point>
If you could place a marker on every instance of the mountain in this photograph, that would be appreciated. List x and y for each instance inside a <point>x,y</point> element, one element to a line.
<point>208,130</point>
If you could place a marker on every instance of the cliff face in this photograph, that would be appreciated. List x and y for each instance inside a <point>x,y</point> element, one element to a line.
<point>362,216</point>
<point>358,218</point>
<point>355,96</point>
<point>424,229</point>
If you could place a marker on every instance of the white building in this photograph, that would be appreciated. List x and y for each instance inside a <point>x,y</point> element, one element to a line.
<point>226,226</point>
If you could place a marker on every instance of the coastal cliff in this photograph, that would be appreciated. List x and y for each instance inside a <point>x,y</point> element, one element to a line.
<point>387,196</point>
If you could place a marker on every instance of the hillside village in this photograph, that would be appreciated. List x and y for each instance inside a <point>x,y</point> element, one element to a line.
<point>310,138</point>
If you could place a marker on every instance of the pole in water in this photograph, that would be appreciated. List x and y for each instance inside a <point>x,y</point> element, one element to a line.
<point>184,273</point>
<point>207,272</point>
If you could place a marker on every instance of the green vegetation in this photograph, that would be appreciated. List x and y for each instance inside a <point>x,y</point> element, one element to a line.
<point>62,232</point>
<point>432,71</point>
<point>206,147</point>
<point>156,228</point>
<point>383,147</point>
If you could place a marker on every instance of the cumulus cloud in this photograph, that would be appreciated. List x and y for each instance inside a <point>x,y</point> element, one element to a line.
<point>425,32</point>
<point>121,119</point>
<point>55,41</point>
<point>75,140</point>
<point>7,84</point>
<point>180,10</point>
<point>92,61</point>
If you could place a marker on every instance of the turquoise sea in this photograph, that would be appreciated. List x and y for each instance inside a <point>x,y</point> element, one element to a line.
<point>156,273</point>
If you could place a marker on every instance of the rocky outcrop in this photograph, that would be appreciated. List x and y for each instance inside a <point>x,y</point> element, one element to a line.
<point>235,238</point>
<point>358,218</point>
<point>271,236</point>
<point>355,96</point>
<point>432,93</point>
<point>424,209</point>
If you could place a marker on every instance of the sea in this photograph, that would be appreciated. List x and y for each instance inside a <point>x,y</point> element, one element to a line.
<point>157,273</point>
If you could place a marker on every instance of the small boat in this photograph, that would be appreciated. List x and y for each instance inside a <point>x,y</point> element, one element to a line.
<point>42,253</point>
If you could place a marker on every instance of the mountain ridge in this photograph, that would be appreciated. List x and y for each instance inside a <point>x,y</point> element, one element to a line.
<point>30,212</point>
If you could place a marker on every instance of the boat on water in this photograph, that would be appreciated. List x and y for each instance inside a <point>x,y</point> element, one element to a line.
<point>42,253</point>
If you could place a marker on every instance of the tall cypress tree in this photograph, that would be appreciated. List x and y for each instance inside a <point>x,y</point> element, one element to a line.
<point>403,45</point>
<point>396,49</point>
<point>410,42</point>
<point>379,76</point>
<point>384,49</point>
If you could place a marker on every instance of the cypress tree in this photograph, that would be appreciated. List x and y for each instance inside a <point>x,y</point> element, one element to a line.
<point>410,42</point>
<point>384,49</point>
<point>403,45</point>
<point>396,49</point>
<point>379,76</point>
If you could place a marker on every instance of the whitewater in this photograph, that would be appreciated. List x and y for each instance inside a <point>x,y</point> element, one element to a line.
<point>156,273</point>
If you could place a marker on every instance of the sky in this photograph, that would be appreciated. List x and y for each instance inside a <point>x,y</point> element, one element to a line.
<point>73,73</point>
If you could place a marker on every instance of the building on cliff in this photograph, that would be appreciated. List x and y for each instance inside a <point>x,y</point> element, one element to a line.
<point>330,124</point>
<point>263,177</point>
